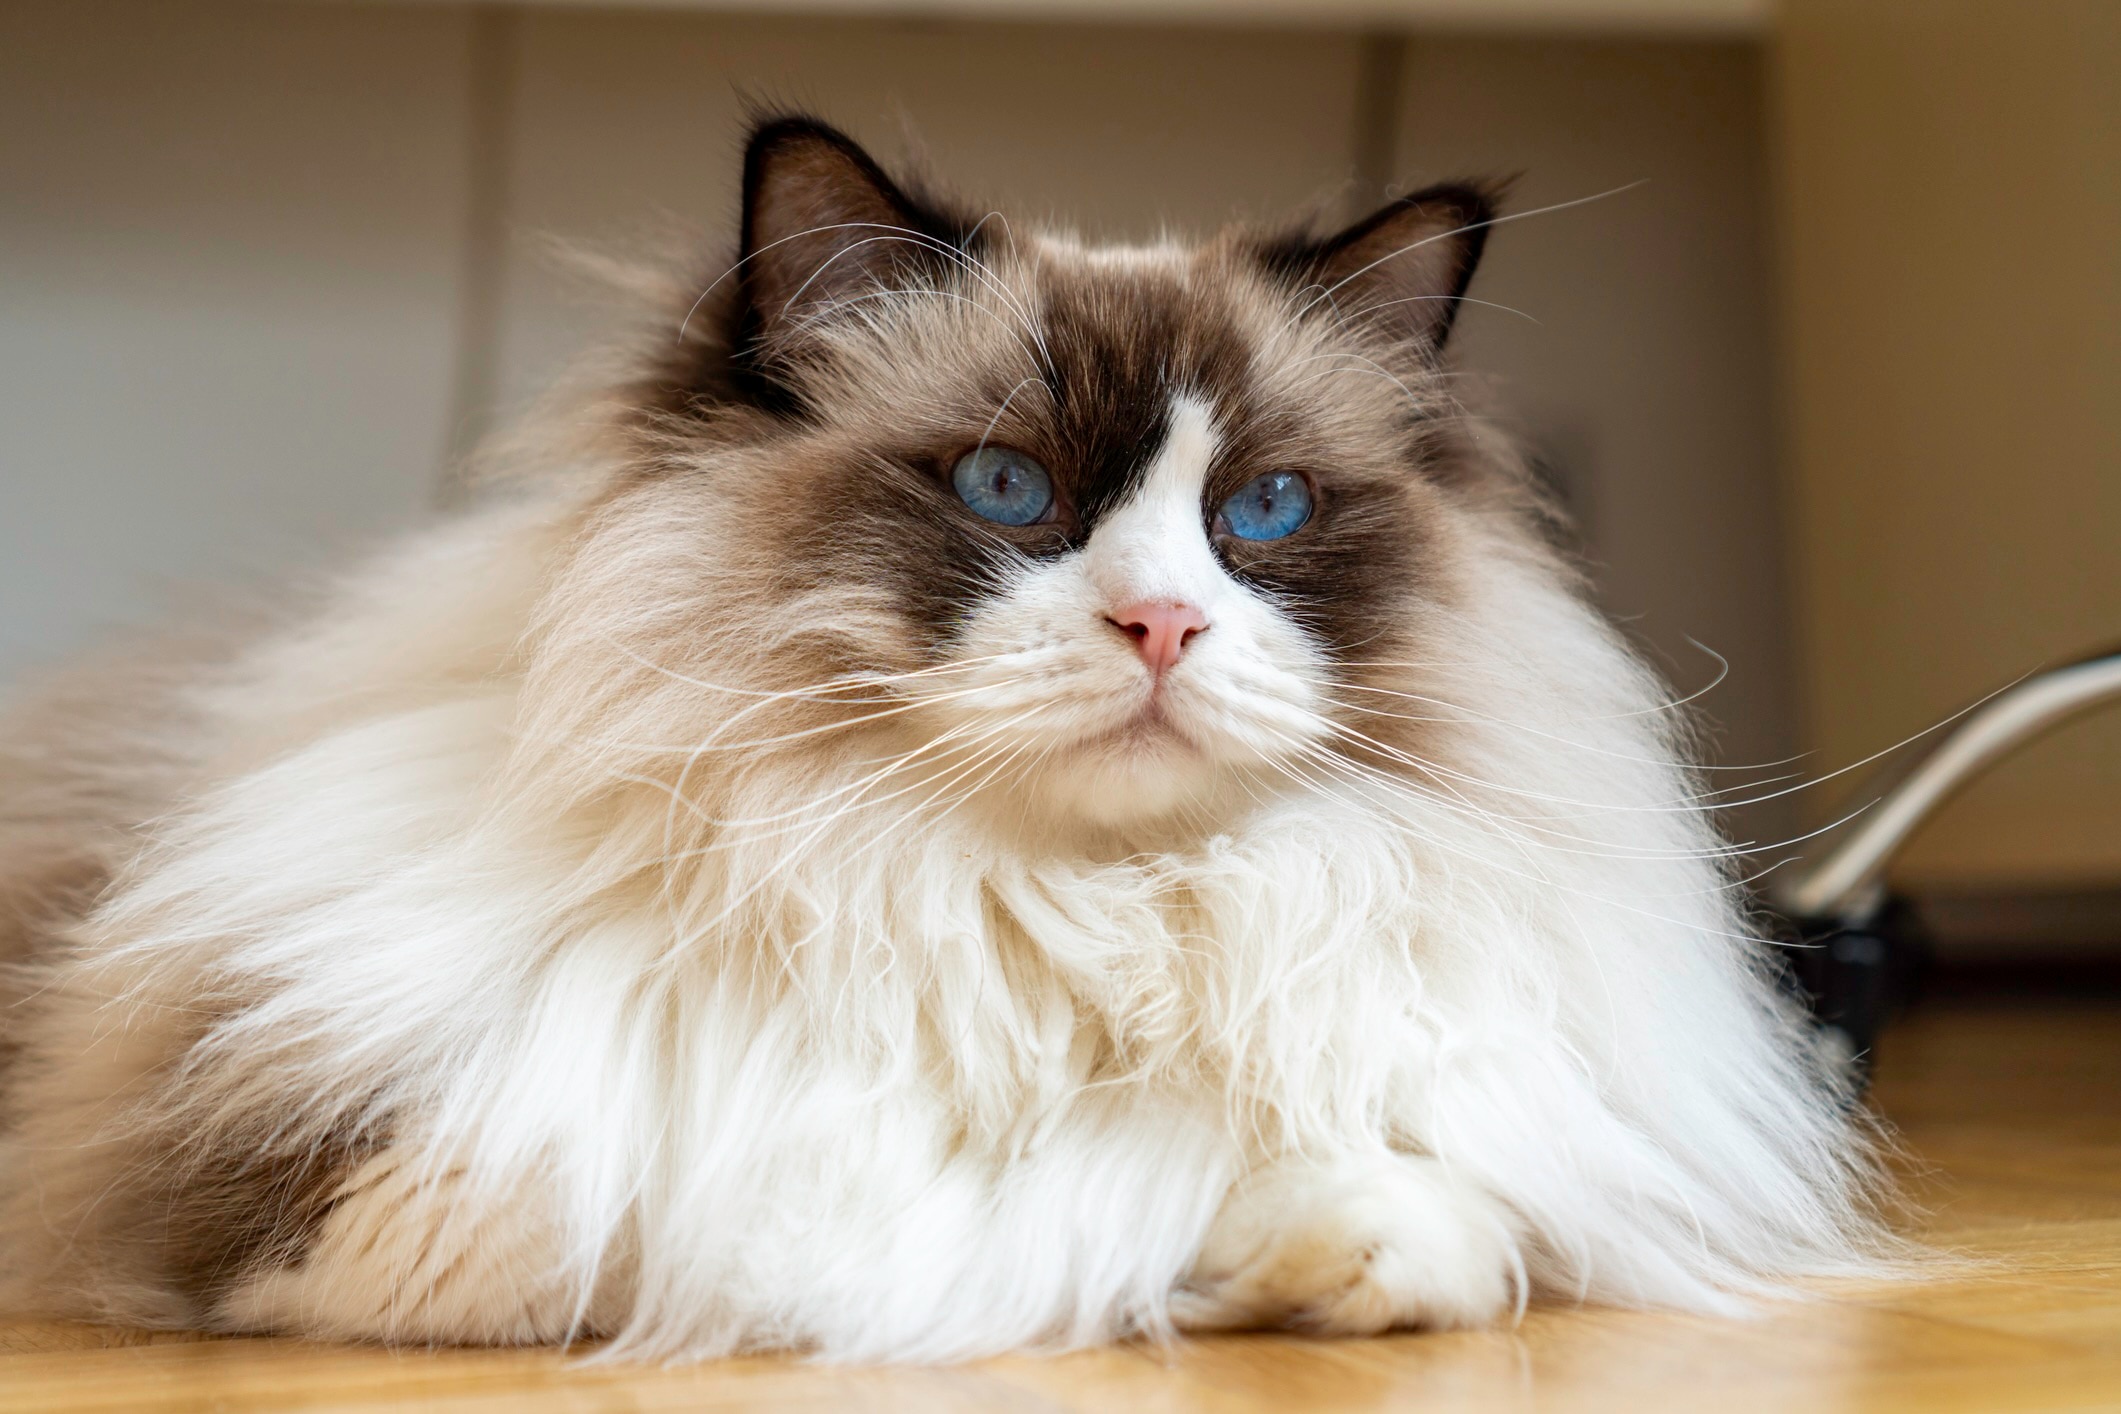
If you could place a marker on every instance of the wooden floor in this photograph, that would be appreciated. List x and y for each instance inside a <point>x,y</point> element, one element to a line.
<point>2015,1109</point>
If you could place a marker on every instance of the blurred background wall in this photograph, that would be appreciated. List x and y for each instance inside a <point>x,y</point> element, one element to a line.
<point>1831,388</point>
<point>1951,213</point>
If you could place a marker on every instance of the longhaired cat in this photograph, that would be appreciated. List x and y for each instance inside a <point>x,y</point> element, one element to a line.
<point>988,791</point>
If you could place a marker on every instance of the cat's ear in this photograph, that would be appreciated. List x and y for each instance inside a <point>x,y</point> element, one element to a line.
<point>1403,269</point>
<point>821,223</point>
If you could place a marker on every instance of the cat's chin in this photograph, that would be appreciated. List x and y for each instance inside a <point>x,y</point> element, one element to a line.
<point>1118,794</point>
<point>1144,771</point>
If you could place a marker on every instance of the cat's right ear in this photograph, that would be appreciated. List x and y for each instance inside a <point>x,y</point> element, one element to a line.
<point>1404,269</point>
<point>822,224</point>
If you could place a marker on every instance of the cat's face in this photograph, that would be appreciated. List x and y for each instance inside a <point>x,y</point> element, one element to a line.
<point>1123,530</point>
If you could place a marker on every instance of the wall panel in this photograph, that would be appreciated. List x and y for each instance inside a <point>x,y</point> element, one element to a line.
<point>1952,185</point>
<point>231,237</point>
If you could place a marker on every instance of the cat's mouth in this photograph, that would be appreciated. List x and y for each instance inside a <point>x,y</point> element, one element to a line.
<point>1149,728</point>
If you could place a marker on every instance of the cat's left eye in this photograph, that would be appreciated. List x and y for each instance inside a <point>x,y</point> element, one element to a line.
<point>1268,508</point>
<point>1003,485</point>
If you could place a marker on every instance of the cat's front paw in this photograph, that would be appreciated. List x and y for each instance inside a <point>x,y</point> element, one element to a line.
<point>1353,1247</point>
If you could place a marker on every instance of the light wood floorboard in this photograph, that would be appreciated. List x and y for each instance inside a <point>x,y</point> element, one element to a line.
<point>2012,1115</point>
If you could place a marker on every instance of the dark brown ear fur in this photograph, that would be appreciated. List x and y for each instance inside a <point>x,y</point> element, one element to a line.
<point>821,223</point>
<point>1403,269</point>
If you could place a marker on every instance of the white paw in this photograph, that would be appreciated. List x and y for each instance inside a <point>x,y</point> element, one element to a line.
<point>1352,1247</point>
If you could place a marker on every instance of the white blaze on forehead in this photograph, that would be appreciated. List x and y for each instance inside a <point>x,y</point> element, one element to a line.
<point>1159,256</point>
<point>1154,545</point>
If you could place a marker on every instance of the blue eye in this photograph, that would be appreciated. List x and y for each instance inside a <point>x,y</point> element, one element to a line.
<point>1003,486</point>
<point>1272,506</point>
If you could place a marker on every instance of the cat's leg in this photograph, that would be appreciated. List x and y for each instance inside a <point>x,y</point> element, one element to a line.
<point>410,1252</point>
<point>1352,1246</point>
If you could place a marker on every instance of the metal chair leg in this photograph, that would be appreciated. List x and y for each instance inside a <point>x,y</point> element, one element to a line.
<point>1853,941</point>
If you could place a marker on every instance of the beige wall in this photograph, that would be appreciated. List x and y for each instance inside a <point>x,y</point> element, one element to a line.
<point>230,245</point>
<point>1951,175</point>
<point>268,263</point>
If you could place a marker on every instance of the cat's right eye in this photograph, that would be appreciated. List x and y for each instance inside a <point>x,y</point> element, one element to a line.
<point>1003,485</point>
<point>1270,507</point>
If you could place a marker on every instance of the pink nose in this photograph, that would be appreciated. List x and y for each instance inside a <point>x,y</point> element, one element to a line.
<point>1160,631</point>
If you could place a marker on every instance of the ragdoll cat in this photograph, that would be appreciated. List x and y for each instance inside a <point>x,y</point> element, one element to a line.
<point>989,791</point>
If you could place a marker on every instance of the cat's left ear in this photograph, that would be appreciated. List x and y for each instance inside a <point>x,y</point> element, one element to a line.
<point>1403,269</point>
<point>823,222</point>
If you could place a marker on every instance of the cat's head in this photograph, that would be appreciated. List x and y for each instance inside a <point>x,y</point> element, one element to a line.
<point>1111,534</point>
